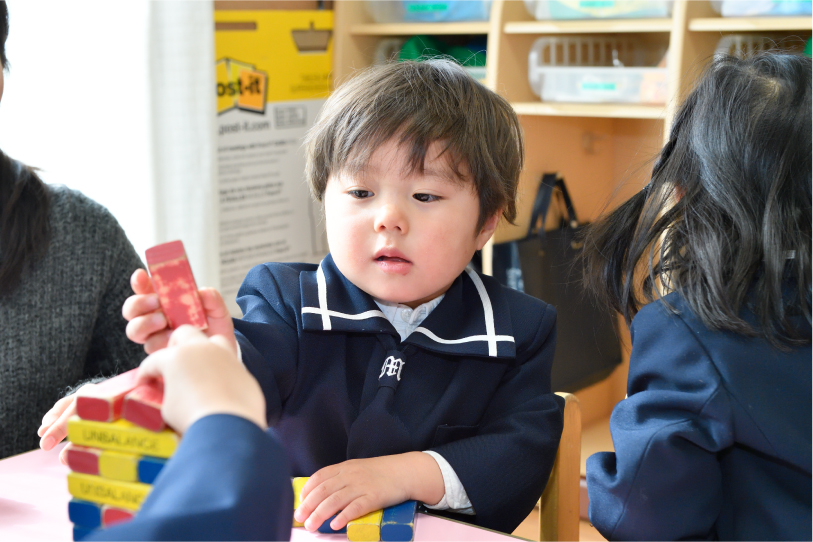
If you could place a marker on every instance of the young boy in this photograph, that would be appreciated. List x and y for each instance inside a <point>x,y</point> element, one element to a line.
<point>392,346</point>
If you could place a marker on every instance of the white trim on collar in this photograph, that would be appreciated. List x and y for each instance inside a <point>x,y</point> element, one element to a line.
<point>488,312</point>
<point>321,284</point>
<point>491,337</point>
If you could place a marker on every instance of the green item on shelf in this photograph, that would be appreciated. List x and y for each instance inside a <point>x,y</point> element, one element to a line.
<point>809,47</point>
<point>419,47</point>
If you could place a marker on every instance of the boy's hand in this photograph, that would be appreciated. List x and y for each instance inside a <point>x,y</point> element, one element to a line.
<point>202,376</point>
<point>54,426</point>
<point>360,486</point>
<point>147,324</point>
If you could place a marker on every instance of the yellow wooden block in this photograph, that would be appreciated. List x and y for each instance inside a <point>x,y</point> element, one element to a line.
<point>119,466</point>
<point>127,495</point>
<point>122,436</point>
<point>299,483</point>
<point>366,528</point>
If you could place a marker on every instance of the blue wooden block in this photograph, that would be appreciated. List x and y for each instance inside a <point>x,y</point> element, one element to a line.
<point>148,468</point>
<point>79,533</point>
<point>398,522</point>
<point>325,527</point>
<point>85,514</point>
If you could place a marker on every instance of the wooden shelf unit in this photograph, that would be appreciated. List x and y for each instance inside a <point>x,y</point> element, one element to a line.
<point>603,151</point>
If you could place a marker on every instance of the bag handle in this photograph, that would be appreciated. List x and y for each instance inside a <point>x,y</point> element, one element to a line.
<point>541,205</point>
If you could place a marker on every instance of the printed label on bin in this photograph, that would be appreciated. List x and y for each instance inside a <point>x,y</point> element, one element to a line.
<point>594,86</point>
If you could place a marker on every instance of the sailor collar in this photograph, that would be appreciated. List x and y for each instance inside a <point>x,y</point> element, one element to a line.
<point>472,319</point>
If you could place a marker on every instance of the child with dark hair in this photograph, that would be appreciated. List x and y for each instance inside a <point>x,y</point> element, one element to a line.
<point>64,272</point>
<point>392,370</point>
<point>711,264</point>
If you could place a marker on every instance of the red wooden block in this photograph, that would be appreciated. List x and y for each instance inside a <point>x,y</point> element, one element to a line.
<point>103,402</point>
<point>173,282</point>
<point>112,515</point>
<point>142,406</point>
<point>83,459</point>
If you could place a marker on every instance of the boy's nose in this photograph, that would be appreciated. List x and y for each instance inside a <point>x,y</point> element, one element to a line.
<point>390,218</point>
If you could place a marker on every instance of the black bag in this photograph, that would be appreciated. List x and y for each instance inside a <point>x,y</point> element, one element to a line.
<point>545,265</point>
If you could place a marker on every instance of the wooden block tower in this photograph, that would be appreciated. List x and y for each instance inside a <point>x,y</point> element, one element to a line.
<point>118,439</point>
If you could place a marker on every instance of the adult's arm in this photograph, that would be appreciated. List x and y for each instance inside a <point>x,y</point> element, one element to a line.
<point>664,481</point>
<point>228,480</point>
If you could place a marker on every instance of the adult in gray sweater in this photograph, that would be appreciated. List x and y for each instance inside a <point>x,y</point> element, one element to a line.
<point>61,323</point>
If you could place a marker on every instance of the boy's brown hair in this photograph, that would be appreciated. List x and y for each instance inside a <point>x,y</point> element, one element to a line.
<point>421,103</point>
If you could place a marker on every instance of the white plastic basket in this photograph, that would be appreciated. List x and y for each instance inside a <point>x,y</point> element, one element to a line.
<point>595,70</point>
<point>595,9</point>
<point>762,8</point>
<point>742,45</point>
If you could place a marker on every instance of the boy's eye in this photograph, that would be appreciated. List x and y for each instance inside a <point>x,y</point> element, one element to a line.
<point>426,198</point>
<point>360,194</point>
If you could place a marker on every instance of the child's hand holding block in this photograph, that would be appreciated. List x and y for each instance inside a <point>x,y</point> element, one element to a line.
<point>103,402</point>
<point>173,282</point>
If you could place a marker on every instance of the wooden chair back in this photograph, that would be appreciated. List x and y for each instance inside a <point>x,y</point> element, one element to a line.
<point>559,505</point>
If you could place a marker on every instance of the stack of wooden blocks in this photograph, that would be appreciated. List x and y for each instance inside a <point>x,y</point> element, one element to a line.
<point>392,524</point>
<point>118,445</point>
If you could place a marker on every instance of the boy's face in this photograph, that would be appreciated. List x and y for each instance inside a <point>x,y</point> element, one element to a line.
<point>403,237</point>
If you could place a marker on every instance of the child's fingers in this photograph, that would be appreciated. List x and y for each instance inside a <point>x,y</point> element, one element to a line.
<point>187,334</point>
<point>52,415</point>
<point>141,328</point>
<point>157,341</point>
<point>139,305</point>
<point>218,316</point>
<point>58,430</point>
<point>63,456</point>
<point>317,479</point>
<point>141,283</point>
<point>330,506</point>
<point>213,303</point>
<point>354,510</point>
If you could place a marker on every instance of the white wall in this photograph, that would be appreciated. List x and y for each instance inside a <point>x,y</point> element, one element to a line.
<point>76,102</point>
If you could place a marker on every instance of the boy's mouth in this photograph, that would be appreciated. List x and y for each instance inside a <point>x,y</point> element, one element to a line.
<point>390,255</point>
<point>392,261</point>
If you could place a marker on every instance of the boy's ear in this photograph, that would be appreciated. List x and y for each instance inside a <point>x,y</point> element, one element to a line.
<point>488,229</point>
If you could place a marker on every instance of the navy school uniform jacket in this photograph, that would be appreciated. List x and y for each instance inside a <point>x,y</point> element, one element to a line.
<point>714,440</point>
<point>228,480</point>
<point>475,385</point>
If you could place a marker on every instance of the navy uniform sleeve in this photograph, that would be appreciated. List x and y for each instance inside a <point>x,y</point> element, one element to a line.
<point>267,333</point>
<point>663,482</point>
<point>228,480</point>
<point>505,466</point>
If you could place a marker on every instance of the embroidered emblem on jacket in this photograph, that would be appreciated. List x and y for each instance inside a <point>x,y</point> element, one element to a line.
<point>392,366</point>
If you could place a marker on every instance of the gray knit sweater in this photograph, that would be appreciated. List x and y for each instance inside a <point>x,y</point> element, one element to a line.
<point>63,324</point>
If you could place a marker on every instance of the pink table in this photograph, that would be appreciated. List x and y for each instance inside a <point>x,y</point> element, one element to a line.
<point>34,506</point>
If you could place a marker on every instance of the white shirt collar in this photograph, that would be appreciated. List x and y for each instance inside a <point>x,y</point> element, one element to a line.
<point>404,319</point>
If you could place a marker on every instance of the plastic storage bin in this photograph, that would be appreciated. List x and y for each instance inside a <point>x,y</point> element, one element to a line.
<point>595,70</point>
<point>598,9</point>
<point>754,8</point>
<point>742,45</point>
<point>428,11</point>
